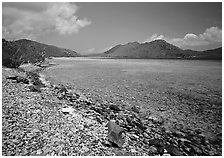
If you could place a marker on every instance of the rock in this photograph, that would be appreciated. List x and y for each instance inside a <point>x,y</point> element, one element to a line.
<point>98,110</point>
<point>135,136</point>
<point>19,79</point>
<point>87,102</point>
<point>159,144</point>
<point>179,134</point>
<point>34,88</point>
<point>38,82</point>
<point>12,77</point>
<point>156,119</point>
<point>140,125</point>
<point>115,133</point>
<point>156,142</point>
<point>194,148</point>
<point>106,143</point>
<point>161,109</point>
<point>99,120</point>
<point>63,89</point>
<point>133,151</point>
<point>135,109</point>
<point>213,138</point>
<point>152,149</point>
<point>67,110</point>
<point>173,151</point>
<point>114,107</point>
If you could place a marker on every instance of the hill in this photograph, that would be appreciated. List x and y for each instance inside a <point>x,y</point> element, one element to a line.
<point>159,49</point>
<point>14,53</point>
<point>213,54</point>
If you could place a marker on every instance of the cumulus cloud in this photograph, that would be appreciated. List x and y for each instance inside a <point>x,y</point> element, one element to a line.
<point>213,34</point>
<point>53,17</point>
<point>209,36</point>
<point>154,37</point>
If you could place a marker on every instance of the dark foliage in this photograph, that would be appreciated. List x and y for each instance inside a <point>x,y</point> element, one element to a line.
<point>160,49</point>
<point>15,53</point>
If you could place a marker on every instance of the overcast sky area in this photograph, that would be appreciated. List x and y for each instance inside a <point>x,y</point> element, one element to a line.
<point>96,27</point>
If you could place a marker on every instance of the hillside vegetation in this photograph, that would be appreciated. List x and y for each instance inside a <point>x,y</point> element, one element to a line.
<point>159,49</point>
<point>15,53</point>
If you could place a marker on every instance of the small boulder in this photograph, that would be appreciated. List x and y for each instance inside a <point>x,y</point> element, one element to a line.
<point>67,110</point>
<point>140,125</point>
<point>114,107</point>
<point>97,109</point>
<point>156,142</point>
<point>38,82</point>
<point>115,133</point>
<point>152,150</point>
<point>34,88</point>
<point>63,89</point>
<point>135,109</point>
<point>156,119</point>
<point>173,151</point>
<point>179,134</point>
<point>19,79</point>
<point>11,77</point>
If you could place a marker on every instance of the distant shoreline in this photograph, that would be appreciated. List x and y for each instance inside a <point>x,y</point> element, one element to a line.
<point>89,57</point>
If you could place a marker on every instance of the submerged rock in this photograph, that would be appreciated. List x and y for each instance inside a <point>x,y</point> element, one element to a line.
<point>114,107</point>
<point>115,133</point>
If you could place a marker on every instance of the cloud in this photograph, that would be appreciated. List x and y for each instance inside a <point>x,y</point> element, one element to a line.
<point>189,39</point>
<point>91,50</point>
<point>19,22</point>
<point>210,36</point>
<point>154,37</point>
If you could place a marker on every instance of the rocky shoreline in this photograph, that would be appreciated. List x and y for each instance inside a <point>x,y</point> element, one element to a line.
<point>39,118</point>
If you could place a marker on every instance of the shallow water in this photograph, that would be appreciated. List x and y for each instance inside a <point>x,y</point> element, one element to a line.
<point>151,84</point>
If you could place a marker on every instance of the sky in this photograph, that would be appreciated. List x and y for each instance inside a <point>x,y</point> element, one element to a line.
<point>94,27</point>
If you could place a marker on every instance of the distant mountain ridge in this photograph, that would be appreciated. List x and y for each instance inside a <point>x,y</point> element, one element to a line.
<point>15,53</point>
<point>159,49</point>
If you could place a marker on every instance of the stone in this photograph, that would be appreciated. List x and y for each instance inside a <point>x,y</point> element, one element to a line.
<point>152,149</point>
<point>67,110</point>
<point>114,107</point>
<point>38,82</point>
<point>133,151</point>
<point>156,142</point>
<point>19,79</point>
<point>173,151</point>
<point>12,77</point>
<point>63,89</point>
<point>98,110</point>
<point>34,88</point>
<point>194,148</point>
<point>140,125</point>
<point>115,133</point>
<point>135,109</point>
<point>179,134</point>
<point>156,119</point>
<point>159,144</point>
